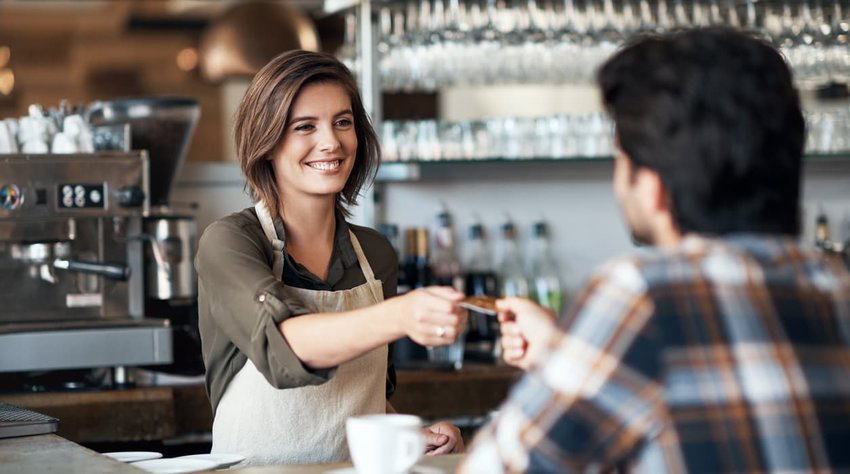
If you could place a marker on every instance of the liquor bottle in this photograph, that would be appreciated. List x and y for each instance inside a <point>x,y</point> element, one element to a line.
<point>406,352</point>
<point>832,250</point>
<point>511,273</point>
<point>417,269</point>
<point>446,269</point>
<point>547,288</point>
<point>845,234</point>
<point>822,240</point>
<point>480,279</point>
<point>445,263</point>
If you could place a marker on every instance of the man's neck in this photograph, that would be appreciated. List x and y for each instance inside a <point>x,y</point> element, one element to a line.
<point>668,240</point>
<point>666,234</point>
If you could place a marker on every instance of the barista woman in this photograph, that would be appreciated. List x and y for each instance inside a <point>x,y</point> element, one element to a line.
<point>295,303</point>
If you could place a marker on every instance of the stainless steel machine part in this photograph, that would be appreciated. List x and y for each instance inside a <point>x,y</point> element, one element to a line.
<point>161,125</point>
<point>170,272</point>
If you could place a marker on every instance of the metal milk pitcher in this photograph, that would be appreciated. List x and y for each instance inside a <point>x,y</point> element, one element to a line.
<point>170,270</point>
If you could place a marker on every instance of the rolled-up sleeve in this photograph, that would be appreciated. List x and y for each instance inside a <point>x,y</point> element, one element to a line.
<point>595,395</point>
<point>241,305</point>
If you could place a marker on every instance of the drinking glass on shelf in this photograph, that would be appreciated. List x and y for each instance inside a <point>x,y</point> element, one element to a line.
<point>427,45</point>
<point>389,145</point>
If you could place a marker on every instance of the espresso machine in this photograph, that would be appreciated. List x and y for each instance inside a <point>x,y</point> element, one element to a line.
<point>163,126</point>
<point>71,264</point>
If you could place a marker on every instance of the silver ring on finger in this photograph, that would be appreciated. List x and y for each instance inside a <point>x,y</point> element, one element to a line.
<point>440,330</point>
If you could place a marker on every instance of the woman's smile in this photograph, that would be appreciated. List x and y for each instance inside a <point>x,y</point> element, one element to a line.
<point>331,165</point>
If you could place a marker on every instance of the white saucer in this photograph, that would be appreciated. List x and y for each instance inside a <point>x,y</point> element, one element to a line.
<point>133,456</point>
<point>175,465</point>
<point>222,460</point>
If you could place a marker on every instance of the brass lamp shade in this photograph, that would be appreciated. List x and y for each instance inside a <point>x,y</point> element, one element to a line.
<point>245,37</point>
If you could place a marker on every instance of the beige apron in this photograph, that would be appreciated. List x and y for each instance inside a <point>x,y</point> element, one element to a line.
<point>304,424</point>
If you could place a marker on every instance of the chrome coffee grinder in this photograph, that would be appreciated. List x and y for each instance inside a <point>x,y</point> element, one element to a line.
<point>163,126</point>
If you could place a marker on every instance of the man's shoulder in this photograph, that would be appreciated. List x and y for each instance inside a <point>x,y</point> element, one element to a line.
<point>726,259</point>
<point>643,260</point>
<point>653,266</point>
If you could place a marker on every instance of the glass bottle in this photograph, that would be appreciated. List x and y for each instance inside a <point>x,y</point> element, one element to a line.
<point>445,262</point>
<point>417,267</point>
<point>822,240</point>
<point>511,273</point>
<point>406,352</point>
<point>446,270</point>
<point>547,288</point>
<point>480,279</point>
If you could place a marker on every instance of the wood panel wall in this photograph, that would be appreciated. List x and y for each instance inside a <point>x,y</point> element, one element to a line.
<point>85,53</point>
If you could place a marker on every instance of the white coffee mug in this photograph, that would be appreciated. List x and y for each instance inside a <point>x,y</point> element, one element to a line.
<point>384,444</point>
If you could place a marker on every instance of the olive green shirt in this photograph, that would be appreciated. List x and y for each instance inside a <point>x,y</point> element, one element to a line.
<point>241,304</point>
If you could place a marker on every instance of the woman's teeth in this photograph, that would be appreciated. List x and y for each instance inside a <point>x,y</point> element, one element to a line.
<point>324,165</point>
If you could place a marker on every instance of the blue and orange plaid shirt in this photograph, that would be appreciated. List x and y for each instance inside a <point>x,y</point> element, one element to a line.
<point>722,356</point>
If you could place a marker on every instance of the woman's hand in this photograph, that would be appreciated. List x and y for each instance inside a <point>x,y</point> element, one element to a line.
<point>526,330</point>
<point>442,438</point>
<point>431,316</point>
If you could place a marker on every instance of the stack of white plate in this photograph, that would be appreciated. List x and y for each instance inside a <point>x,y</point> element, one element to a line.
<point>152,461</point>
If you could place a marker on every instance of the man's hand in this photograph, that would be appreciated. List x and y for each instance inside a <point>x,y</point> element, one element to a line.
<point>442,438</point>
<point>526,331</point>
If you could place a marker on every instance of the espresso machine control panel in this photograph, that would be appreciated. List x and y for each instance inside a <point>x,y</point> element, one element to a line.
<point>61,186</point>
<point>80,196</point>
<point>71,263</point>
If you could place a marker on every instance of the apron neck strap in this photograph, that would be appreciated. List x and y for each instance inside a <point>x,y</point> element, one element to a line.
<point>361,258</point>
<point>266,220</point>
<point>267,223</point>
<point>374,285</point>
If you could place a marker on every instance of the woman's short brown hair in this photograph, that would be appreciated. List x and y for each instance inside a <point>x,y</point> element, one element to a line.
<point>261,121</point>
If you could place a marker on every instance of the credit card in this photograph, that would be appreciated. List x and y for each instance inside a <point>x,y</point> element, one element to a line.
<point>481,303</point>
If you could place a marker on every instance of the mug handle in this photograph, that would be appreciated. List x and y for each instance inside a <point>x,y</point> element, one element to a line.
<point>413,444</point>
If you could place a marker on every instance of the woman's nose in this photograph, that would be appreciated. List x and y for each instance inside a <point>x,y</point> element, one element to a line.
<point>328,141</point>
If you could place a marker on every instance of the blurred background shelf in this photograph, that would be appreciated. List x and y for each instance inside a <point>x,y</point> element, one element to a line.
<point>505,168</point>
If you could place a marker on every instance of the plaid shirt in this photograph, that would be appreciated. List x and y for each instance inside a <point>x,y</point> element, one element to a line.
<point>723,355</point>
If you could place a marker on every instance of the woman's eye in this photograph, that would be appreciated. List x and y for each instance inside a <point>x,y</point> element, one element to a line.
<point>304,127</point>
<point>344,122</point>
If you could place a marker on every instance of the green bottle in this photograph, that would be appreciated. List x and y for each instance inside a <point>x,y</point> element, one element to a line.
<point>547,287</point>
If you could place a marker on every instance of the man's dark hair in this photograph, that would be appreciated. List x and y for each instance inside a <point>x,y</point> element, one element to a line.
<point>714,112</point>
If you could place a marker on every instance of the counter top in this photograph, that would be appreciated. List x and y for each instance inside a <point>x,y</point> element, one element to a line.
<point>426,465</point>
<point>52,453</point>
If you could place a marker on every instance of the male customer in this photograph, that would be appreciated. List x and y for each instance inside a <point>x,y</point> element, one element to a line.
<point>724,347</point>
